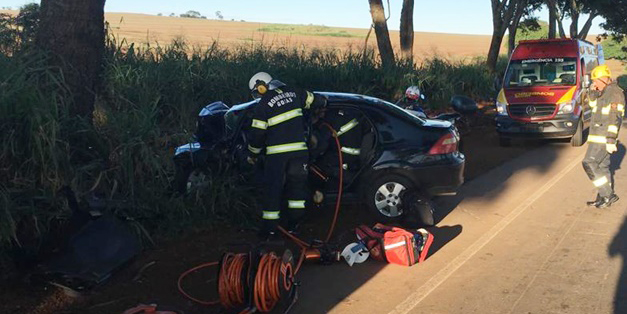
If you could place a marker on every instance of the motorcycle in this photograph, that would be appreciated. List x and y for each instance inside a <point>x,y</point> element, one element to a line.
<point>462,106</point>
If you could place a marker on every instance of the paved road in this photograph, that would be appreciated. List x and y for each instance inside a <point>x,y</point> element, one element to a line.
<point>519,239</point>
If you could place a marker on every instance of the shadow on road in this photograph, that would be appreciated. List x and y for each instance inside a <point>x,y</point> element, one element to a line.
<point>619,247</point>
<point>490,187</point>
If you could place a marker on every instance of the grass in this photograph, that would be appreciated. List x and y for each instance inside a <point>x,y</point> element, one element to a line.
<point>147,108</point>
<point>309,30</point>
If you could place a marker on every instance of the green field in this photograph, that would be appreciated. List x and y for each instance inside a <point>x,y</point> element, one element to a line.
<point>308,30</point>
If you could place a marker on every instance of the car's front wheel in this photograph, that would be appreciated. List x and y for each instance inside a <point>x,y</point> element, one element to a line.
<point>386,197</point>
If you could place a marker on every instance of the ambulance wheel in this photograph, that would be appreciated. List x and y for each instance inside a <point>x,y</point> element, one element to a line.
<point>386,197</point>
<point>577,139</point>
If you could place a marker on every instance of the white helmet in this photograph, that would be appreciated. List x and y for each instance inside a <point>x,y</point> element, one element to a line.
<point>355,252</point>
<point>258,79</point>
<point>412,92</point>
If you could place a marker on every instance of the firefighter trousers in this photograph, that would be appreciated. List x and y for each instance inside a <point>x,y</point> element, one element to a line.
<point>597,167</point>
<point>285,189</point>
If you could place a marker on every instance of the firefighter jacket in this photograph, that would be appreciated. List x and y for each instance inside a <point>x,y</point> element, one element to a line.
<point>608,109</point>
<point>278,123</point>
<point>349,129</point>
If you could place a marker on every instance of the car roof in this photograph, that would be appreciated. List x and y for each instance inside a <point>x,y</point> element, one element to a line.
<point>349,97</point>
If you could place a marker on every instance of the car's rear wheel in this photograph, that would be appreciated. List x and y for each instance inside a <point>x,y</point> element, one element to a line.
<point>386,197</point>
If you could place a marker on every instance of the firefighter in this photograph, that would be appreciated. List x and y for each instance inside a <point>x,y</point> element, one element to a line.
<point>607,102</point>
<point>279,128</point>
<point>348,128</point>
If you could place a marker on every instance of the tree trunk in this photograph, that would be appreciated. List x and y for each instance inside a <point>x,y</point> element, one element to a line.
<point>513,29</point>
<point>495,48</point>
<point>552,18</point>
<point>381,30</point>
<point>407,30</point>
<point>559,19</point>
<point>504,13</point>
<point>574,15</point>
<point>72,31</point>
<point>586,27</point>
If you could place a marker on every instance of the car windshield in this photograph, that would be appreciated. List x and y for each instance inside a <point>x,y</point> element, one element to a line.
<point>542,72</point>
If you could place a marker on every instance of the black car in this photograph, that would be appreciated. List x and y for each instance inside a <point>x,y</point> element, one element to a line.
<point>404,157</point>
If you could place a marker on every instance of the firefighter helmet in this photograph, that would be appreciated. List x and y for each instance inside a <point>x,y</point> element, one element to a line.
<point>600,71</point>
<point>259,83</point>
<point>412,92</point>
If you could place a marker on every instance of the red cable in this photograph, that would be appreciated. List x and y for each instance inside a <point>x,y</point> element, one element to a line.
<point>340,184</point>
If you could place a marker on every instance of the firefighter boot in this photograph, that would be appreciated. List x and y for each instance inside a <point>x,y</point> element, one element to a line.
<point>607,201</point>
<point>596,202</point>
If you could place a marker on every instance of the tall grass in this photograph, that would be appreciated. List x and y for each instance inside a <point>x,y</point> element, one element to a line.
<point>148,107</point>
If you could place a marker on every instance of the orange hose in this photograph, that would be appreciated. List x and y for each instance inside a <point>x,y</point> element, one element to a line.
<point>183,275</point>
<point>230,286</point>
<point>267,290</point>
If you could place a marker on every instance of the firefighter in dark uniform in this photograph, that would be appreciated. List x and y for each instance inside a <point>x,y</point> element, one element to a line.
<point>607,102</point>
<point>279,128</point>
<point>348,127</point>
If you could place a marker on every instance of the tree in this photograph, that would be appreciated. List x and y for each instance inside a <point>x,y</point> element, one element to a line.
<point>523,19</point>
<point>219,15</point>
<point>381,30</point>
<point>559,9</point>
<point>191,14</point>
<point>407,30</point>
<point>73,33</point>
<point>615,14</point>
<point>503,14</point>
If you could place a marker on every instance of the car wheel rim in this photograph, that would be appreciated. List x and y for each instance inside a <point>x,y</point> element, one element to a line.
<point>196,181</point>
<point>387,199</point>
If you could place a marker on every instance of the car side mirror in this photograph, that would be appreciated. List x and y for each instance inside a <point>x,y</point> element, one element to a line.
<point>586,81</point>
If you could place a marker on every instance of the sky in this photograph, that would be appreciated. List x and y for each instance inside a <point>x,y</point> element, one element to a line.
<point>441,16</point>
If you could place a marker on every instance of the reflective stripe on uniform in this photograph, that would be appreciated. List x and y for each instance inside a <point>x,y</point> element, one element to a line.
<point>271,215</point>
<point>280,118</point>
<point>347,127</point>
<point>620,108</point>
<point>309,100</point>
<point>296,204</point>
<point>606,110</point>
<point>597,139</point>
<point>593,103</point>
<point>612,129</point>
<point>254,150</point>
<point>259,124</point>
<point>286,148</point>
<point>600,182</point>
<point>351,151</point>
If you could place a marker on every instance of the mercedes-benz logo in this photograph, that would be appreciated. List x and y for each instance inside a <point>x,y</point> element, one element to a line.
<point>531,110</point>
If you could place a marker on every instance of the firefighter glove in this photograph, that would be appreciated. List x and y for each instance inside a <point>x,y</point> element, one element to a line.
<point>611,148</point>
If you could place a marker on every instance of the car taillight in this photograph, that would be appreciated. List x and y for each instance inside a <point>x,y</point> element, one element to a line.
<point>445,145</point>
